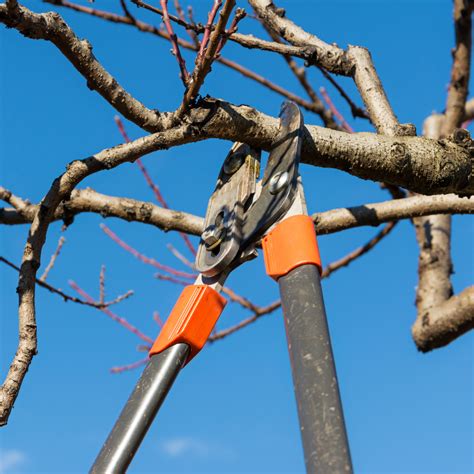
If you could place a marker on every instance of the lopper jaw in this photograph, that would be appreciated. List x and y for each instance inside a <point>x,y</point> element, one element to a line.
<point>241,210</point>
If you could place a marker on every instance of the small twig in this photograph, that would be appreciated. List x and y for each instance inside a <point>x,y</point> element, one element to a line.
<point>261,312</point>
<point>156,190</point>
<point>144,258</point>
<point>203,65</point>
<point>65,296</point>
<point>122,321</point>
<point>148,28</point>
<point>134,365</point>
<point>350,257</point>
<point>52,261</point>
<point>192,34</point>
<point>184,75</point>
<point>171,279</point>
<point>102,284</point>
<point>395,191</point>
<point>335,111</point>
<point>355,110</point>
<point>180,257</point>
<point>207,30</point>
<point>157,319</point>
<point>127,11</point>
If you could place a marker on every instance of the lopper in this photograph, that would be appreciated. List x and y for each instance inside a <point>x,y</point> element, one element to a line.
<point>243,214</point>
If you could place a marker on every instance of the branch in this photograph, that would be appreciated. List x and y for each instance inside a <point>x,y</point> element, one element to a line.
<point>336,220</point>
<point>446,322</point>
<point>442,317</point>
<point>356,62</point>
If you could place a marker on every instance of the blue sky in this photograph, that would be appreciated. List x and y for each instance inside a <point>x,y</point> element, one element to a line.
<point>232,410</point>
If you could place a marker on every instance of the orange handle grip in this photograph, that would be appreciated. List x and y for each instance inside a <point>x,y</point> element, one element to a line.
<point>191,320</point>
<point>290,244</point>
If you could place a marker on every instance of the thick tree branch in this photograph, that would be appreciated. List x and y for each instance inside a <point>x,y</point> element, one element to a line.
<point>443,317</point>
<point>446,322</point>
<point>335,220</point>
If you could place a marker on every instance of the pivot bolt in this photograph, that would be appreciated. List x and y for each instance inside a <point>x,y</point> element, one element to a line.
<point>233,162</point>
<point>278,182</point>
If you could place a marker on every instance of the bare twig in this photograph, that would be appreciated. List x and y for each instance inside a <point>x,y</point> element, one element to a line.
<point>358,252</point>
<point>53,259</point>
<point>157,319</point>
<point>206,57</point>
<point>102,284</point>
<point>355,109</point>
<point>156,190</point>
<point>207,30</point>
<point>335,111</point>
<point>67,297</point>
<point>134,365</point>
<point>122,321</point>
<point>144,258</point>
<point>184,74</point>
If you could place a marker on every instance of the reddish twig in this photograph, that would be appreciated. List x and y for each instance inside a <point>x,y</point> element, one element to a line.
<point>134,365</point>
<point>157,319</point>
<point>180,257</point>
<point>192,34</point>
<point>171,279</point>
<point>156,190</point>
<point>144,258</point>
<point>335,111</point>
<point>122,321</point>
<point>207,30</point>
<point>52,261</point>
<point>184,75</point>
<point>204,62</point>
<point>355,110</point>
<point>102,284</point>
<point>147,28</point>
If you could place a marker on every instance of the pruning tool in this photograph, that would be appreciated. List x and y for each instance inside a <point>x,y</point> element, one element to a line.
<point>243,214</point>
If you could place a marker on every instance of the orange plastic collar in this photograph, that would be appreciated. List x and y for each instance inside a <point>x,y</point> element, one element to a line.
<point>290,244</point>
<point>191,320</point>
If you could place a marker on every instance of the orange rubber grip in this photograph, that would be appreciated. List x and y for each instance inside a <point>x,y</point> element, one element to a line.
<point>290,244</point>
<point>192,319</point>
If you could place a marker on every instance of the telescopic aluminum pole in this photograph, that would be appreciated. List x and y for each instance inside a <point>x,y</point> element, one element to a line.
<point>140,410</point>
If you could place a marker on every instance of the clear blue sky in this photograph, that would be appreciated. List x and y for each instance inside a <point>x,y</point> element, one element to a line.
<point>232,410</point>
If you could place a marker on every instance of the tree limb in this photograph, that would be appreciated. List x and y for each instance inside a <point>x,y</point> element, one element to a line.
<point>335,220</point>
<point>441,316</point>
<point>355,62</point>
